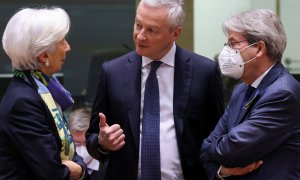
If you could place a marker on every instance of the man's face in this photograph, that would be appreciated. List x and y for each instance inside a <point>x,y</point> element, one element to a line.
<point>153,36</point>
<point>79,137</point>
<point>237,41</point>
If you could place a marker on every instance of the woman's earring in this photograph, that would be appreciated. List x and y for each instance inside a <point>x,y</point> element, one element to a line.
<point>47,63</point>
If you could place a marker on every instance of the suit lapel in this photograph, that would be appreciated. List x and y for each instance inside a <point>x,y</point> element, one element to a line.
<point>132,88</point>
<point>246,108</point>
<point>271,76</point>
<point>182,85</point>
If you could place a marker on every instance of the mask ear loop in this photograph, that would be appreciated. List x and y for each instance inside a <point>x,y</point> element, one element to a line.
<point>248,46</point>
<point>249,60</point>
<point>252,58</point>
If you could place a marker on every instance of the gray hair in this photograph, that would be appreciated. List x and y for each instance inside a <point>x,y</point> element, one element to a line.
<point>32,31</point>
<point>176,10</point>
<point>260,24</point>
<point>79,119</point>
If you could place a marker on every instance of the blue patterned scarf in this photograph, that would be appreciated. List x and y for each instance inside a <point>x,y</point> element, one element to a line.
<point>52,92</point>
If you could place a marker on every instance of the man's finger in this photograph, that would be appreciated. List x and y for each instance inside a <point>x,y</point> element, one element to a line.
<point>102,120</point>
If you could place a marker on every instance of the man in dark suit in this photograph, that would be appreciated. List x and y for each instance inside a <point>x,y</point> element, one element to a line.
<point>190,101</point>
<point>258,137</point>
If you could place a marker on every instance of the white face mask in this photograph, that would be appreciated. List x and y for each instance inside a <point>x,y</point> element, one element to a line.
<point>231,62</point>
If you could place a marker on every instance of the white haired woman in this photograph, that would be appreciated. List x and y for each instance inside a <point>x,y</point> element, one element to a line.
<point>35,141</point>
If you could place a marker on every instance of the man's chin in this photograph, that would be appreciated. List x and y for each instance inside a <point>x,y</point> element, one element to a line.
<point>140,52</point>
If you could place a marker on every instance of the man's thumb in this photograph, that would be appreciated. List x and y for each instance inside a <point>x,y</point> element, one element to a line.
<point>102,120</point>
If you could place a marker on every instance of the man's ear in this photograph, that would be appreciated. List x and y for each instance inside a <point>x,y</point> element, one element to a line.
<point>261,48</point>
<point>43,58</point>
<point>177,33</point>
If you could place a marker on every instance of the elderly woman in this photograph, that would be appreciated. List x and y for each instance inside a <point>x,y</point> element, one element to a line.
<point>258,136</point>
<point>35,141</point>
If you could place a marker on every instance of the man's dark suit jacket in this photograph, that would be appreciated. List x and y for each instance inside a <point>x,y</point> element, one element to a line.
<point>29,141</point>
<point>198,105</point>
<point>267,129</point>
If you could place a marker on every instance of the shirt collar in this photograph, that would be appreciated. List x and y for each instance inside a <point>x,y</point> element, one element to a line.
<point>169,58</point>
<point>258,80</point>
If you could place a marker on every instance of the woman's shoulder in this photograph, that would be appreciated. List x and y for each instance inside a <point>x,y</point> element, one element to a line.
<point>19,91</point>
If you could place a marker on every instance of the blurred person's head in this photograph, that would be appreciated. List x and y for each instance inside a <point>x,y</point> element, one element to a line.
<point>256,40</point>
<point>34,38</point>
<point>158,24</point>
<point>79,121</point>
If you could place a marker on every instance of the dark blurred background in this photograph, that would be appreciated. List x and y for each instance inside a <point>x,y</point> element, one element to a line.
<point>100,30</point>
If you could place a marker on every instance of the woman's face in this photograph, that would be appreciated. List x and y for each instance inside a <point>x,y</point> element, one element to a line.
<point>57,57</point>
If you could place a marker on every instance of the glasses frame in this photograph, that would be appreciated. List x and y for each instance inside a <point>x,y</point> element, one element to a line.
<point>231,44</point>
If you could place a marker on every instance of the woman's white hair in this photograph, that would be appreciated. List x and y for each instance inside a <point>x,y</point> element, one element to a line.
<point>176,10</point>
<point>260,24</point>
<point>32,31</point>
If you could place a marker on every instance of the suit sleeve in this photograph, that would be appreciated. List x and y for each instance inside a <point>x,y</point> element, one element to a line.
<point>215,105</point>
<point>270,123</point>
<point>29,131</point>
<point>77,159</point>
<point>99,105</point>
<point>211,166</point>
<point>214,111</point>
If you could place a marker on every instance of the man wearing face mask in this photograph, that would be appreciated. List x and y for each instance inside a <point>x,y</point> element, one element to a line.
<point>79,121</point>
<point>258,136</point>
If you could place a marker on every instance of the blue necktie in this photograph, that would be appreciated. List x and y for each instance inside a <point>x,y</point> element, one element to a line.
<point>150,152</point>
<point>248,94</point>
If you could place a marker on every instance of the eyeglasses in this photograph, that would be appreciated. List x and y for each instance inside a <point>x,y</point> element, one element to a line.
<point>231,44</point>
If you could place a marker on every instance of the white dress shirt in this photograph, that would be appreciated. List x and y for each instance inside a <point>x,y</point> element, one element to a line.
<point>169,154</point>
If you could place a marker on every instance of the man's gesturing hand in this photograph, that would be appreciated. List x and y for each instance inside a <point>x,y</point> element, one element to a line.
<point>110,137</point>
